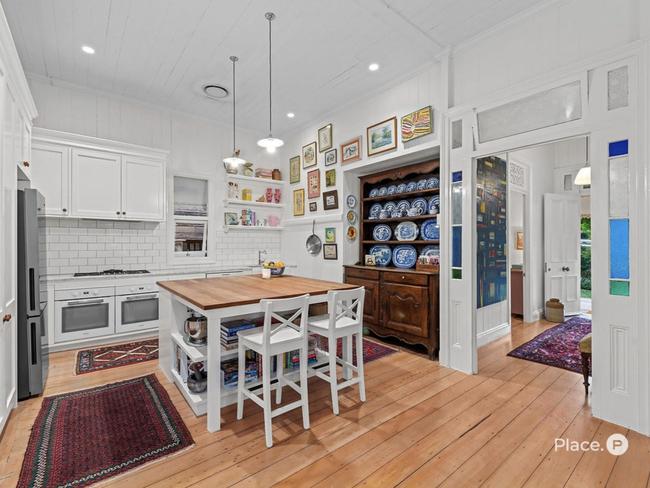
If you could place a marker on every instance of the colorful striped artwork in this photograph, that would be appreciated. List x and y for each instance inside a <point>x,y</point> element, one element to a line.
<point>417,124</point>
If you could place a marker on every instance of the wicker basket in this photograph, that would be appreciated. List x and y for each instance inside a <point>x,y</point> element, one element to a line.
<point>554,310</point>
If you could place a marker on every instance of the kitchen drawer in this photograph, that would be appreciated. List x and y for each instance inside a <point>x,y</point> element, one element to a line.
<point>363,273</point>
<point>406,278</point>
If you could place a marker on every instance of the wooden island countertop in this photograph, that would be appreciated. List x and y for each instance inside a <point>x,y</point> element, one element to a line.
<point>232,291</point>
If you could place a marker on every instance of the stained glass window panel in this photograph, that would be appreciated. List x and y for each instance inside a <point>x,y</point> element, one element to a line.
<point>457,247</point>
<point>619,249</point>
<point>617,88</point>
<point>618,148</point>
<point>619,187</point>
<point>619,288</point>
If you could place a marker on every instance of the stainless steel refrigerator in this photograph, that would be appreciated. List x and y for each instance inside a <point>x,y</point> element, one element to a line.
<point>32,358</point>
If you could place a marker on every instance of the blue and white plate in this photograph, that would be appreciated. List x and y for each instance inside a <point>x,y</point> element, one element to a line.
<point>433,183</point>
<point>352,201</point>
<point>401,188</point>
<point>382,254</point>
<point>382,191</point>
<point>404,256</point>
<point>406,231</point>
<point>422,184</point>
<point>404,205</point>
<point>412,186</point>
<point>382,232</point>
<point>421,203</point>
<point>392,189</point>
<point>430,230</point>
<point>374,193</point>
<point>430,250</point>
<point>374,211</point>
<point>433,206</point>
<point>436,199</point>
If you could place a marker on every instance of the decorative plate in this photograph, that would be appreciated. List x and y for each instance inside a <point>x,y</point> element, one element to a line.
<point>412,186</point>
<point>382,254</point>
<point>389,207</point>
<point>382,232</point>
<point>430,230</point>
<point>432,206</point>
<point>351,201</point>
<point>433,183</point>
<point>436,199</point>
<point>352,217</point>
<point>401,188</point>
<point>382,191</point>
<point>374,211</point>
<point>373,193</point>
<point>406,231</point>
<point>404,256</point>
<point>421,203</point>
<point>430,250</point>
<point>392,189</point>
<point>403,205</point>
<point>421,185</point>
<point>351,233</point>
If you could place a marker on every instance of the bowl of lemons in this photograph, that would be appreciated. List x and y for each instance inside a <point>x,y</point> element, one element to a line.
<point>276,267</point>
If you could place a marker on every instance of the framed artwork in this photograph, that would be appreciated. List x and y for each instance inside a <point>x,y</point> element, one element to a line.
<point>382,137</point>
<point>370,260</point>
<point>330,251</point>
<point>351,151</point>
<point>309,155</point>
<point>519,240</point>
<point>294,170</point>
<point>299,202</point>
<point>330,235</point>
<point>231,218</point>
<point>330,200</point>
<point>325,138</point>
<point>330,157</point>
<point>417,124</point>
<point>313,206</point>
<point>330,177</point>
<point>313,184</point>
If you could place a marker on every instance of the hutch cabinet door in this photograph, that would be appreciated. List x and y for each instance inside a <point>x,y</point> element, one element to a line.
<point>371,300</point>
<point>405,308</point>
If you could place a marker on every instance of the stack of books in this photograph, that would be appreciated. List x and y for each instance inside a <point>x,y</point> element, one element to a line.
<point>264,173</point>
<point>229,330</point>
<point>231,373</point>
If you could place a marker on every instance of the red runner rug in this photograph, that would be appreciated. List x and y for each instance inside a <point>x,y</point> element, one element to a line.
<point>86,436</point>
<point>371,350</point>
<point>115,355</point>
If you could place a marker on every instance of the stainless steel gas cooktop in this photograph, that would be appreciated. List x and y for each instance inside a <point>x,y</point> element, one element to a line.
<point>110,272</point>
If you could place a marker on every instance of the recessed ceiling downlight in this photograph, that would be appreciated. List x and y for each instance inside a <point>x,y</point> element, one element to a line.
<point>216,92</point>
<point>88,49</point>
<point>373,66</point>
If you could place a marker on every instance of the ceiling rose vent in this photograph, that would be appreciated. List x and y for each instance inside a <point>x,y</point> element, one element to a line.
<point>215,92</point>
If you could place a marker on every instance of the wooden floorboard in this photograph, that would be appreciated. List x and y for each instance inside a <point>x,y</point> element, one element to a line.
<point>422,425</point>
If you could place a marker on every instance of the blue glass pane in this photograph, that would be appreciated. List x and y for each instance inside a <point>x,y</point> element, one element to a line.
<point>618,148</point>
<point>619,249</point>
<point>457,247</point>
<point>457,176</point>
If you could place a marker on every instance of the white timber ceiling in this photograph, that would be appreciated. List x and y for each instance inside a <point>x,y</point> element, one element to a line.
<point>163,51</point>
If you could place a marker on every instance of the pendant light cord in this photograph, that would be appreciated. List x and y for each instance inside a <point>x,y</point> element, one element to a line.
<point>234,102</point>
<point>270,82</point>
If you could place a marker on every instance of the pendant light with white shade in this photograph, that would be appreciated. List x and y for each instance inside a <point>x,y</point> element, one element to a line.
<point>234,160</point>
<point>583,177</point>
<point>270,143</point>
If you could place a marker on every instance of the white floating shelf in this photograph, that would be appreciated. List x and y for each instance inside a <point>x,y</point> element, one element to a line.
<point>195,353</point>
<point>248,203</point>
<point>196,401</point>
<point>255,179</point>
<point>252,227</point>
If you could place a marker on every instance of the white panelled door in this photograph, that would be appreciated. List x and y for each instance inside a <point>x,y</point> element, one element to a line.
<point>562,250</point>
<point>143,188</point>
<point>96,184</point>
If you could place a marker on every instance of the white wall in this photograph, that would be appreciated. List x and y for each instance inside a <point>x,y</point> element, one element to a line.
<point>416,91</point>
<point>196,146</point>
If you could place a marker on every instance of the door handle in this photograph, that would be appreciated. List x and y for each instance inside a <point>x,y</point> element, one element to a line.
<point>566,268</point>
<point>85,302</point>
<point>6,318</point>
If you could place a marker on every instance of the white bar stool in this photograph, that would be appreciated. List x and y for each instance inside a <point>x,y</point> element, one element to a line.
<point>270,340</point>
<point>344,319</point>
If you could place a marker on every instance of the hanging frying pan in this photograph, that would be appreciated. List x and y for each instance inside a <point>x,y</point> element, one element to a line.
<point>313,243</point>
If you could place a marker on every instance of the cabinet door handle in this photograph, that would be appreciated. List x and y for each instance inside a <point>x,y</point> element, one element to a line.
<point>123,213</point>
<point>118,212</point>
<point>64,210</point>
<point>26,164</point>
<point>6,318</point>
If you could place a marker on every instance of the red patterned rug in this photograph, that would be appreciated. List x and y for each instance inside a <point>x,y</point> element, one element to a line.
<point>86,436</point>
<point>371,350</point>
<point>115,355</point>
<point>557,346</point>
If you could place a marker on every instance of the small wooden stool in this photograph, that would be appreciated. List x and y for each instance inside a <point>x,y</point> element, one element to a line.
<point>585,353</point>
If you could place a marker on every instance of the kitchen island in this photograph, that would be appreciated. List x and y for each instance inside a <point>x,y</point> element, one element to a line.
<point>217,299</point>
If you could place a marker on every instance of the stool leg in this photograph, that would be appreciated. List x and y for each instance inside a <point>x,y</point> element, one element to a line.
<point>304,358</point>
<point>266,391</point>
<point>585,356</point>
<point>333,380</point>
<point>362,381</point>
<point>346,349</point>
<point>241,379</point>
<point>279,376</point>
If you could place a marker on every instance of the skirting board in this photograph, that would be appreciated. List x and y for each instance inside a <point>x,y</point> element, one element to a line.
<point>493,334</point>
<point>538,314</point>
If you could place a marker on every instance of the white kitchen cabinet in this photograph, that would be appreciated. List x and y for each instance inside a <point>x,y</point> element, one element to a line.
<point>50,175</point>
<point>96,184</point>
<point>25,159</point>
<point>143,189</point>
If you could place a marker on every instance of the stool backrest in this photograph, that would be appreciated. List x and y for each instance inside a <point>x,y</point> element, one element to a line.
<point>346,303</point>
<point>272,308</point>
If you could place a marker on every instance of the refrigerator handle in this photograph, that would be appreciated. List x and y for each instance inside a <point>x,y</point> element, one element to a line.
<point>33,345</point>
<point>32,297</point>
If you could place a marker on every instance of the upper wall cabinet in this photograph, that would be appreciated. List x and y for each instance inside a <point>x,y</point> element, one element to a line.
<point>90,178</point>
